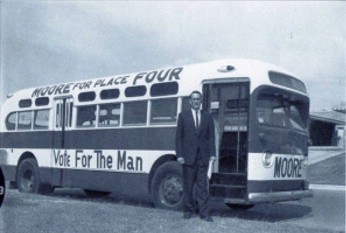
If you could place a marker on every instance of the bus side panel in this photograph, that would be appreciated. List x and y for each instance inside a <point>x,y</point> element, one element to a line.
<point>283,173</point>
<point>153,138</point>
<point>268,186</point>
<point>106,181</point>
<point>27,139</point>
<point>12,157</point>
<point>94,180</point>
<point>282,177</point>
<point>129,149</point>
<point>158,138</point>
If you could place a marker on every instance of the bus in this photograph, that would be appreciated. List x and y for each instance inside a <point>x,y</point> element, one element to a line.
<point>118,133</point>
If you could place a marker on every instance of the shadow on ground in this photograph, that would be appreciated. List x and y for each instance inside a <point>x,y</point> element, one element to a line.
<point>277,212</point>
<point>265,212</point>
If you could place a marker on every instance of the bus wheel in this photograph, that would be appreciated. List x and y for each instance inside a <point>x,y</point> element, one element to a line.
<point>28,180</point>
<point>94,193</point>
<point>239,206</point>
<point>167,186</point>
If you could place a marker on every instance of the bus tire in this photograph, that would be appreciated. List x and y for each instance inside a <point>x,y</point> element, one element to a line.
<point>95,193</point>
<point>28,178</point>
<point>167,186</point>
<point>239,206</point>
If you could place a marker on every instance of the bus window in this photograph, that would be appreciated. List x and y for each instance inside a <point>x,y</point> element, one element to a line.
<point>163,111</point>
<point>68,112</point>
<point>87,96</point>
<point>24,120</point>
<point>86,116</point>
<point>296,119</point>
<point>41,119</point>
<point>287,81</point>
<point>163,89</point>
<point>109,115</point>
<point>135,91</point>
<point>270,111</point>
<point>109,94</point>
<point>25,103</point>
<point>42,101</point>
<point>276,112</point>
<point>135,113</point>
<point>11,121</point>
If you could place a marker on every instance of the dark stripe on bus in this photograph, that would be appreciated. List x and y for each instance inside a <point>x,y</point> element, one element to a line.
<point>129,139</point>
<point>88,179</point>
<point>275,186</point>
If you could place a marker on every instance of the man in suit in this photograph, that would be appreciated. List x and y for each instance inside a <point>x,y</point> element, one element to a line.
<point>195,147</point>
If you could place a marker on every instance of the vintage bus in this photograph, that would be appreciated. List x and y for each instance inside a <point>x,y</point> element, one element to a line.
<point>118,133</point>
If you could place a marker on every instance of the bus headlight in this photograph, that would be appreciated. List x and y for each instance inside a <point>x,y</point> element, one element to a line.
<point>267,159</point>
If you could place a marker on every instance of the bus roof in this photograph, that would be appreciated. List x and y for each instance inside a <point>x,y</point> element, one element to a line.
<point>187,78</point>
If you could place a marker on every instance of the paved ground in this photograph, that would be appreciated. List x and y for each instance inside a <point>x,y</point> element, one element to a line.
<point>327,187</point>
<point>70,210</point>
<point>317,155</point>
<point>329,175</point>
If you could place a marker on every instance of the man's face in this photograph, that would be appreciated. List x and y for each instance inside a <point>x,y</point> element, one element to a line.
<point>195,101</point>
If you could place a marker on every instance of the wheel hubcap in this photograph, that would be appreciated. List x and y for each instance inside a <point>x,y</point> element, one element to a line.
<point>28,181</point>
<point>171,190</point>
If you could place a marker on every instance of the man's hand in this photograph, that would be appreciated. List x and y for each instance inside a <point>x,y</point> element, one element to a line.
<point>181,160</point>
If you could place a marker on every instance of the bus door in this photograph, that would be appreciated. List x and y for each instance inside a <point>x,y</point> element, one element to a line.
<point>63,107</point>
<point>229,106</point>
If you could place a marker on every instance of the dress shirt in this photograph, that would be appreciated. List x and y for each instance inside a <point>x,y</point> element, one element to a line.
<point>194,116</point>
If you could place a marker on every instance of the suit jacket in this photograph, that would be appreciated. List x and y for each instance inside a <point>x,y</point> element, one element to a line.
<point>188,139</point>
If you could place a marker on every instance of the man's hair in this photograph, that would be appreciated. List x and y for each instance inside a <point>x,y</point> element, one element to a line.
<point>196,92</point>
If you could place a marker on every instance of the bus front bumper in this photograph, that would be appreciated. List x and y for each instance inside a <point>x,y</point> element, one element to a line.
<point>279,196</point>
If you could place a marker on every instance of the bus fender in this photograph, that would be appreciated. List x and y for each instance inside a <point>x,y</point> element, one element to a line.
<point>167,186</point>
<point>163,159</point>
<point>43,186</point>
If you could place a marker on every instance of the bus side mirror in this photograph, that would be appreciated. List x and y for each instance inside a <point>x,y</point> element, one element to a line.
<point>214,105</point>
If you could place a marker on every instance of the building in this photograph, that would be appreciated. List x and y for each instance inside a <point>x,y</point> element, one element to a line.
<point>327,128</point>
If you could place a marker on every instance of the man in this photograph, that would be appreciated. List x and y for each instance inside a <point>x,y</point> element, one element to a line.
<point>195,147</point>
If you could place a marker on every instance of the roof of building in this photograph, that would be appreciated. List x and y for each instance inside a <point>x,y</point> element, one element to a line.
<point>334,117</point>
<point>340,109</point>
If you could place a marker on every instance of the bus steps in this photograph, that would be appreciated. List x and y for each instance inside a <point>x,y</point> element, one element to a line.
<point>229,179</point>
<point>229,185</point>
<point>227,191</point>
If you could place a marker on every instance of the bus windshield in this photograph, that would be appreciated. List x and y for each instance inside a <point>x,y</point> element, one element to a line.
<point>278,111</point>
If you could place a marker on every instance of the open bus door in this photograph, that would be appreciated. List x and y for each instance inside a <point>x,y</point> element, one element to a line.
<point>229,105</point>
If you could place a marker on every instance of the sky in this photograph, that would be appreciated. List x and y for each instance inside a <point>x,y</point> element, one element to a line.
<point>46,42</point>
